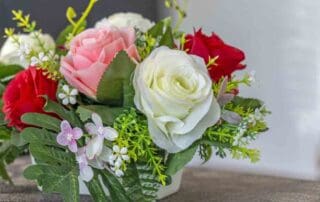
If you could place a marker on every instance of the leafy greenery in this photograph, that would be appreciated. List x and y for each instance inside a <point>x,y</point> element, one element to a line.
<point>133,134</point>
<point>54,107</point>
<point>140,183</point>
<point>167,39</point>
<point>8,71</point>
<point>116,190</point>
<point>159,35</point>
<point>56,170</point>
<point>64,35</point>
<point>96,190</point>
<point>53,178</point>
<point>178,161</point>
<point>42,121</point>
<point>113,87</point>
<point>78,25</point>
<point>225,136</point>
<point>31,135</point>
<point>8,153</point>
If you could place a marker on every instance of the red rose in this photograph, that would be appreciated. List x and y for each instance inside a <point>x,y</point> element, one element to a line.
<point>23,94</point>
<point>228,58</point>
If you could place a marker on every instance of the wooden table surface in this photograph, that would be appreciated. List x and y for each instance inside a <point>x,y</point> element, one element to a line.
<point>197,185</point>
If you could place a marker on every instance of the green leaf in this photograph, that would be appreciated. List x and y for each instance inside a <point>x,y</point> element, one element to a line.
<point>63,113</point>
<point>9,70</point>
<point>39,136</point>
<point>62,37</point>
<point>167,38</point>
<point>33,172</point>
<point>157,29</point>
<point>96,190</point>
<point>9,152</point>
<point>3,172</point>
<point>56,179</point>
<point>5,133</point>
<point>117,192</point>
<point>178,161</point>
<point>247,103</point>
<point>2,88</point>
<point>42,121</point>
<point>16,139</point>
<point>51,155</point>
<point>112,86</point>
<point>107,114</point>
<point>140,182</point>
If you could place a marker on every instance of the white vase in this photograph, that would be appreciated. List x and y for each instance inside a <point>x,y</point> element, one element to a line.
<point>163,192</point>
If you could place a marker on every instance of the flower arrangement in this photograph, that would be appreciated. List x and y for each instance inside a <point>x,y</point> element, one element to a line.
<point>122,106</point>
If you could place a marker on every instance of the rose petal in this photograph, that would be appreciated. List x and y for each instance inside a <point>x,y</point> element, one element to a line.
<point>91,76</point>
<point>75,82</point>
<point>81,62</point>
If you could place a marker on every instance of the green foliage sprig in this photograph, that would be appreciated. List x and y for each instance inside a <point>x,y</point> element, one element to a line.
<point>133,134</point>
<point>51,64</point>
<point>77,26</point>
<point>23,21</point>
<point>235,138</point>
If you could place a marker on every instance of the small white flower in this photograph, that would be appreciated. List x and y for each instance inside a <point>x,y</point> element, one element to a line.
<point>38,60</point>
<point>23,50</point>
<point>258,115</point>
<point>42,57</point>
<point>68,96</point>
<point>118,155</point>
<point>15,53</point>
<point>34,61</point>
<point>117,158</point>
<point>117,171</point>
<point>252,78</point>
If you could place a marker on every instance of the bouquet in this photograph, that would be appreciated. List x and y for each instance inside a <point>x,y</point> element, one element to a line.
<point>120,108</point>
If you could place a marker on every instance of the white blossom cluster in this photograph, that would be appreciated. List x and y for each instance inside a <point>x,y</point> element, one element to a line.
<point>243,126</point>
<point>68,95</point>
<point>119,155</point>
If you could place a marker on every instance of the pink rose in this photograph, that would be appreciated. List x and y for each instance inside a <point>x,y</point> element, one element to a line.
<point>90,54</point>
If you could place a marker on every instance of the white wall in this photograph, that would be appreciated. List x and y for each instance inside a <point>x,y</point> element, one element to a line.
<point>282,43</point>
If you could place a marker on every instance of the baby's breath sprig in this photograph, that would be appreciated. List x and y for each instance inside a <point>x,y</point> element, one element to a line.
<point>43,58</point>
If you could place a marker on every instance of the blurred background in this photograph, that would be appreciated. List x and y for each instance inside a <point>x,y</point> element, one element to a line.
<point>282,44</point>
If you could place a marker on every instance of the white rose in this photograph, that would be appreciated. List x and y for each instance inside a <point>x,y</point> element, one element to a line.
<point>173,89</point>
<point>122,20</point>
<point>9,53</point>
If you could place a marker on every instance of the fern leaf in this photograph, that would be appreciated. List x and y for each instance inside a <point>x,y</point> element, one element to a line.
<point>140,183</point>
